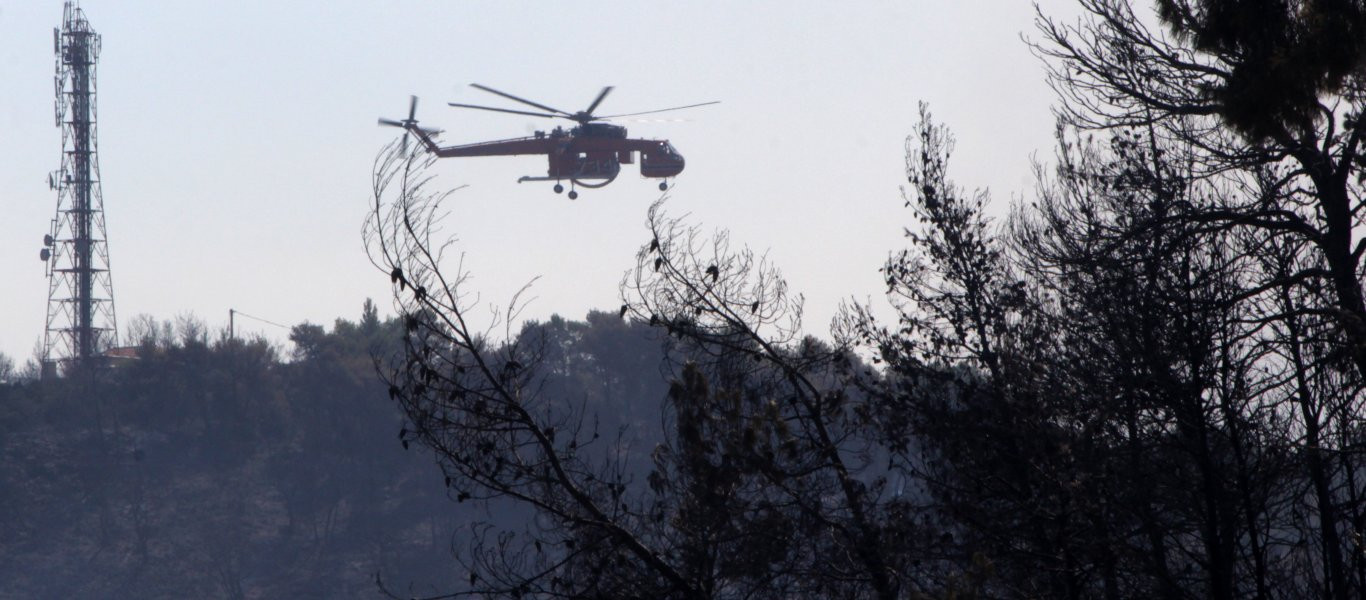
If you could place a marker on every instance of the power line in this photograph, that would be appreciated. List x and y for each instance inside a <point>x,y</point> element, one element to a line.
<point>232,313</point>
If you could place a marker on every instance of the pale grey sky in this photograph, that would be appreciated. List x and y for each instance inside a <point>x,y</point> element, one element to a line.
<point>236,140</point>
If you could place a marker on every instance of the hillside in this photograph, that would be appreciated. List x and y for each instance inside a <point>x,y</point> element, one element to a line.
<point>222,469</point>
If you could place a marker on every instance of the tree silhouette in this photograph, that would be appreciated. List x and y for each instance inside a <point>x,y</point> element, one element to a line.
<point>1145,383</point>
<point>763,483</point>
<point>1259,102</point>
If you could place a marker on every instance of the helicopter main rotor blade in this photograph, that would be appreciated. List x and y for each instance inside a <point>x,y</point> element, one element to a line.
<point>412,108</point>
<point>507,110</point>
<point>653,120</point>
<point>594,105</point>
<point>515,98</point>
<point>392,123</point>
<point>650,112</point>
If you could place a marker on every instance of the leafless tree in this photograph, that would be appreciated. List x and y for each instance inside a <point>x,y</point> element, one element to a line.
<point>1264,104</point>
<point>765,484</point>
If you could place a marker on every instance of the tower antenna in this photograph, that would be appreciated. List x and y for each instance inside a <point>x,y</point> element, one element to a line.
<point>80,301</point>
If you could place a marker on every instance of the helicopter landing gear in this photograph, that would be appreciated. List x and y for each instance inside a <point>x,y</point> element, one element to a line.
<point>663,186</point>
<point>558,188</point>
<point>573,195</point>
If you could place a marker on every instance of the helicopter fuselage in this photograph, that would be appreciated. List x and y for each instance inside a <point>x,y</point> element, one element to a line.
<point>591,151</point>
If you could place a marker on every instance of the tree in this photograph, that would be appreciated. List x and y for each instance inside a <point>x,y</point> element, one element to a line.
<point>6,369</point>
<point>1164,368</point>
<point>1090,408</point>
<point>764,483</point>
<point>216,469</point>
<point>733,314</point>
<point>1294,150</point>
<point>962,408</point>
<point>1278,57</point>
<point>1286,160</point>
<point>476,405</point>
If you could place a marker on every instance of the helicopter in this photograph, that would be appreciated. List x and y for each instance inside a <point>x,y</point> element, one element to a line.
<point>589,155</point>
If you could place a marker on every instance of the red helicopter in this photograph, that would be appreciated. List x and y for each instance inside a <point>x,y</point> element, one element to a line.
<point>589,155</point>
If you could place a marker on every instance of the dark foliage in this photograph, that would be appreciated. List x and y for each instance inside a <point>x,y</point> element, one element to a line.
<point>217,469</point>
<point>1280,56</point>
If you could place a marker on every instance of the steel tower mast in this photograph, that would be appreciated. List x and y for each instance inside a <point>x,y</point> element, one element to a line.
<point>80,300</point>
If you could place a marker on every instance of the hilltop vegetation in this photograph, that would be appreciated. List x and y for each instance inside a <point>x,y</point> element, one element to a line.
<point>218,468</point>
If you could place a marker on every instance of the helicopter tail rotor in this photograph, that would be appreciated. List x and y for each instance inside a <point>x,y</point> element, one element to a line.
<point>409,125</point>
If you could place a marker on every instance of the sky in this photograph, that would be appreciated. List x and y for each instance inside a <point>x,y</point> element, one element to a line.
<point>237,141</point>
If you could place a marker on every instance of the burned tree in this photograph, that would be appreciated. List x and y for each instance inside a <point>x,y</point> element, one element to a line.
<point>763,484</point>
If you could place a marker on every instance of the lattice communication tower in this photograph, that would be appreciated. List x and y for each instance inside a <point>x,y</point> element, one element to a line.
<point>80,298</point>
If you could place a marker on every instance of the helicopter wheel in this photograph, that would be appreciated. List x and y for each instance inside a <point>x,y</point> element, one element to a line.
<point>663,186</point>
<point>558,188</point>
<point>573,195</point>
